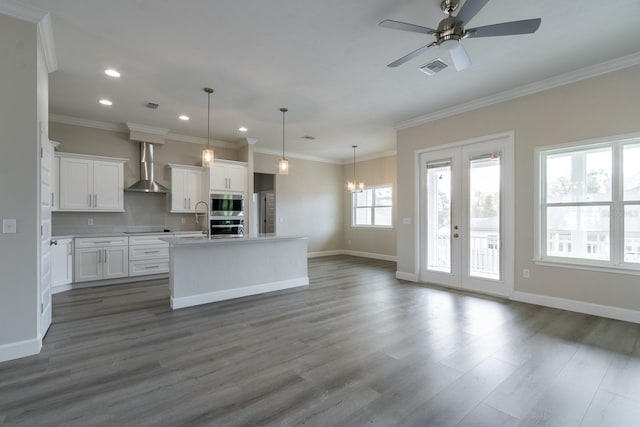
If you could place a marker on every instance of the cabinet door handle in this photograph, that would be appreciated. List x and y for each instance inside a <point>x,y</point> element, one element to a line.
<point>52,200</point>
<point>99,256</point>
<point>151,252</point>
<point>95,200</point>
<point>189,206</point>
<point>105,256</point>
<point>151,266</point>
<point>89,200</point>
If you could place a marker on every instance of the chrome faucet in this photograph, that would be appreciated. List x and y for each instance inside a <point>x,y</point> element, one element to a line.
<point>207,229</point>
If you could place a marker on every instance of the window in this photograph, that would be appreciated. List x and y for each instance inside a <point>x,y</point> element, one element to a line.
<point>589,204</point>
<point>372,207</point>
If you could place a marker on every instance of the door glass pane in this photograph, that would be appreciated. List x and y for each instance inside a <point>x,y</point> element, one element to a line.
<point>632,233</point>
<point>439,216</point>
<point>578,232</point>
<point>484,216</point>
<point>631,171</point>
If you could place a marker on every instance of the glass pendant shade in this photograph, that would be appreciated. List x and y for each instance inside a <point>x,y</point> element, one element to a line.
<point>207,157</point>
<point>207,153</point>
<point>283,167</point>
<point>283,164</point>
<point>355,186</point>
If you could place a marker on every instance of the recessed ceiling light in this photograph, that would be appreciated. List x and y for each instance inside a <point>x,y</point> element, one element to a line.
<point>183,117</point>
<point>111,72</point>
<point>243,129</point>
<point>106,102</point>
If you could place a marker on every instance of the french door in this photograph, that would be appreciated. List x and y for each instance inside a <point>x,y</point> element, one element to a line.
<point>466,216</point>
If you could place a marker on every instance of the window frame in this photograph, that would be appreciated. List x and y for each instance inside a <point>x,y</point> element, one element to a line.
<point>371,188</point>
<point>616,206</point>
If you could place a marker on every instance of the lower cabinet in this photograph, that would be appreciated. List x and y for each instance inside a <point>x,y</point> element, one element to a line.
<point>148,255</point>
<point>101,258</point>
<point>61,263</point>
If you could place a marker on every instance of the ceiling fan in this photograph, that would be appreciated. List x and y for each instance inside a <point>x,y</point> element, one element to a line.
<point>451,30</point>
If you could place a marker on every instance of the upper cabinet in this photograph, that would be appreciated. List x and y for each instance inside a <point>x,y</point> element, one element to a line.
<point>90,183</point>
<point>228,177</point>
<point>186,188</point>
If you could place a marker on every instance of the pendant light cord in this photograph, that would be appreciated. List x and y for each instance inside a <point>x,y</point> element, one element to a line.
<point>209,92</point>
<point>284,110</point>
<point>354,164</point>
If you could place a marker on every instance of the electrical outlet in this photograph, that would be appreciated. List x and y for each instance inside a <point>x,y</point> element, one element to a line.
<point>525,273</point>
<point>89,221</point>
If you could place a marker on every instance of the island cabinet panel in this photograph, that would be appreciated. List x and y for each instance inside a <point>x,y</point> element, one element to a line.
<point>186,188</point>
<point>101,258</point>
<point>90,183</point>
<point>228,177</point>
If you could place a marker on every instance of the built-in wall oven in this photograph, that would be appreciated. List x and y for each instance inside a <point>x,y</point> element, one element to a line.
<point>227,215</point>
<point>227,205</point>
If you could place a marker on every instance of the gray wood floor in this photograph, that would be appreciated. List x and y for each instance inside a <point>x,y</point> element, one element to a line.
<point>357,347</point>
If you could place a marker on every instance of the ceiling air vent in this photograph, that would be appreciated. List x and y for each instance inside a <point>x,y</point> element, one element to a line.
<point>433,67</point>
<point>152,105</point>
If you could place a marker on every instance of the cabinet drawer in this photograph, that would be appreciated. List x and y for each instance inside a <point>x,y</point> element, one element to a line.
<point>101,242</point>
<point>148,240</point>
<point>141,268</point>
<point>148,252</point>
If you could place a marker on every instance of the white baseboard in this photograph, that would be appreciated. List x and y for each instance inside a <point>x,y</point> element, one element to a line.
<point>406,276</point>
<point>61,288</point>
<point>352,253</point>
<point>226,294</point>
<point>617,313</point>
<point>19,349</point>
<point>325,253</point>
<point>370,255</point>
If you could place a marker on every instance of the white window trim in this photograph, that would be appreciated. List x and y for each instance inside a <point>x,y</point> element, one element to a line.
<point>377,227</point>
<point>615,232</point>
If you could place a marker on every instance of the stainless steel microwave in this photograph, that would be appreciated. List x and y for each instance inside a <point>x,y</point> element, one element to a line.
<point>227,205</point>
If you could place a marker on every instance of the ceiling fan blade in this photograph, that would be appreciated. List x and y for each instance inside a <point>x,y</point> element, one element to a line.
<point>469,9</point>
<point>460,57</point>
<point>526,26</point>
<point>410,55</point>
<point>397,25</point>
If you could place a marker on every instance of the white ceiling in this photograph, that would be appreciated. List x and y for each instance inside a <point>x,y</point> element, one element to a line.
<point>323,59</point>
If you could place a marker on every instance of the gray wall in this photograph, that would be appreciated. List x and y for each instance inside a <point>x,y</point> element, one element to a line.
<point>308,200</point>
<point>23,102</point>
<point>601,106</point>
<point>142,211</point>
<point>370,240</point>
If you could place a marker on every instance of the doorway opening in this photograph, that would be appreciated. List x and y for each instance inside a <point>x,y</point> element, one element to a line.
<point>264,204</point>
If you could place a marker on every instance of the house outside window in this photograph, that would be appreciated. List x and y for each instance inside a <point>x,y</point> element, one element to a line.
<point>372,207</point>
<point>588,204</point>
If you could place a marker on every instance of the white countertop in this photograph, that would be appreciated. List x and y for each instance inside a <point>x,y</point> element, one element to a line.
<point>204,240</point>
<point>123,233</point>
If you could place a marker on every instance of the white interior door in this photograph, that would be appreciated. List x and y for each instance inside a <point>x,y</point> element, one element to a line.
<point>467,208</point>
<point>46,202</point>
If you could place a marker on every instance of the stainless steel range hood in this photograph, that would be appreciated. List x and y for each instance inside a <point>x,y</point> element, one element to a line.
<point>147,184</point>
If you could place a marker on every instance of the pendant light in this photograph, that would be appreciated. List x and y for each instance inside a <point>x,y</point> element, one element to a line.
<point>354,186</point>
<point>207,153</point>
<point>283,164</point>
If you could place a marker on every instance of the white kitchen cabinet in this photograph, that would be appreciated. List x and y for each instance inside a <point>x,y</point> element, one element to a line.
<point>148,255</point>
<point>186,188</point>
<point>101,258</point>
<point>227,177</point>
<point>90,183</point>
<point>61,264</point>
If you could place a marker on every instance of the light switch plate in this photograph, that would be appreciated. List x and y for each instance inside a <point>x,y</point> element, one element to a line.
<point>9,226</point>
<point>406,221</point>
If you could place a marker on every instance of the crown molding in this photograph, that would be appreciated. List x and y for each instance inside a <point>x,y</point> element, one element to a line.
<point>115,127</point>
<point>42,18</point>
<point>95,124</point>
<point>542,85</point>
<point>296,156</point>
<point>373,156</point>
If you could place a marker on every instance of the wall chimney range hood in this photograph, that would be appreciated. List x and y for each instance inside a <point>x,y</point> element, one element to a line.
<point>147,136</point>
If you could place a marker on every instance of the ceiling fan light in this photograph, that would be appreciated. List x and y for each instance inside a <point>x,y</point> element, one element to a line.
<point>450,44</point>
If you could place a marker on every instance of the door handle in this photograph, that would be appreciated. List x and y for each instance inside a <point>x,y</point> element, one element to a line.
<point>53,242</point>
<point>456,235</point>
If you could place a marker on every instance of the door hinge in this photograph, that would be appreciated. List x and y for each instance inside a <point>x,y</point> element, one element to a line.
<point>41,152</point>
<point>41,308</point>
<point>41,230</point>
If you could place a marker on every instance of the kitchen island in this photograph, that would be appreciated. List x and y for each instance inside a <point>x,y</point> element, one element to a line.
<point>206,270</point>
